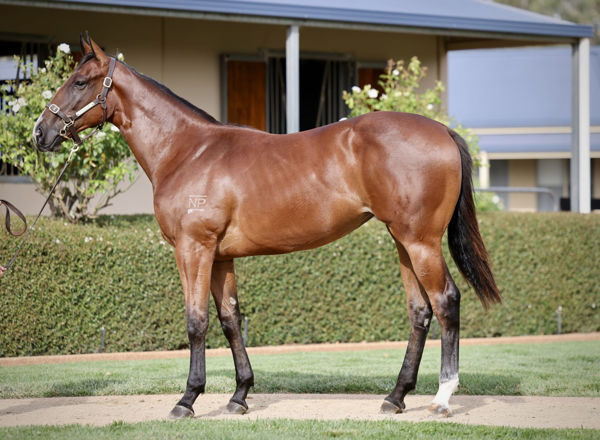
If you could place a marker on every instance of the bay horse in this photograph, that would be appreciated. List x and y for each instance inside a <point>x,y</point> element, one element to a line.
<point>223,192</point>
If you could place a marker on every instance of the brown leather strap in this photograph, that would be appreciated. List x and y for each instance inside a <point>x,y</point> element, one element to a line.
<point>10,207</point>
<point>100,99</point>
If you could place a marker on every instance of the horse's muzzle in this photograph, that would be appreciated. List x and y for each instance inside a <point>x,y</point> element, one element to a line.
<point>47,147</point>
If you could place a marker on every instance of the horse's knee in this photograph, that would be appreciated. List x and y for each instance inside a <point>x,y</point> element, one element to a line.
<point>197,326</point>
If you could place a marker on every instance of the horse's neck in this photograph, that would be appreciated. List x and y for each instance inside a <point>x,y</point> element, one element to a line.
<point>153,123</point>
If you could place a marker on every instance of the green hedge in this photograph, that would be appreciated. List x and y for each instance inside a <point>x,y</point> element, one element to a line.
<point>118,274</point>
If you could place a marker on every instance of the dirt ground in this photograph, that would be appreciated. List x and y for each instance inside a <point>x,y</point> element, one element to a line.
<point>517,411</point>
<point>535,412</point>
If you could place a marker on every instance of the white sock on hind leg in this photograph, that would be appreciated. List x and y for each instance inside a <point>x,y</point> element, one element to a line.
<point>445,391</point>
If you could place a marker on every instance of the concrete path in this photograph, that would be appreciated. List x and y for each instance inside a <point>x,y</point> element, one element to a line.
<point>536,412</point>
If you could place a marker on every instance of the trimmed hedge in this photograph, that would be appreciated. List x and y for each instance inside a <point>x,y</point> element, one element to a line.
<point>72,280</point>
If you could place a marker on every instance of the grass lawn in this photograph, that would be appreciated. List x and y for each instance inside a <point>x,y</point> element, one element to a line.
<point>549,369</point>
<point>290,429</point>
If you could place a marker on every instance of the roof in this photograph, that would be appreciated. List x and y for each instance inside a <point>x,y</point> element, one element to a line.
<point>459,15</point>
<point>527,87</point>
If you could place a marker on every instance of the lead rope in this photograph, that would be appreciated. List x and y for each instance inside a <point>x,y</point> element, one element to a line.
<point>24,239</point>
<point>77,141</point>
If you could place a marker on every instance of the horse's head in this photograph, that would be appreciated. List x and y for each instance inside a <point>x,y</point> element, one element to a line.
<point>79,103</point>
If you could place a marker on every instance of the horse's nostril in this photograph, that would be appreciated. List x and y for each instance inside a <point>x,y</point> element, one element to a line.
<point>38,133</point>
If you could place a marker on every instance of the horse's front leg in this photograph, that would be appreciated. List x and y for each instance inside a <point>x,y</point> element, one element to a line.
<point>225,295</point>
<point>194,261</point>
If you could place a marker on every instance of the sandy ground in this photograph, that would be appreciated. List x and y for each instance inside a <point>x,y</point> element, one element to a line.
<point>535,412</point>
<point>519,411</point>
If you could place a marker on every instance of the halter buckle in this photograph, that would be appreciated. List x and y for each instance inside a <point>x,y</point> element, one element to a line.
<point>54,108</point>
<point>107,82</point>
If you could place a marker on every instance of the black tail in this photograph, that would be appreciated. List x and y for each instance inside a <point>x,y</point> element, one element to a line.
<point>464,239</point>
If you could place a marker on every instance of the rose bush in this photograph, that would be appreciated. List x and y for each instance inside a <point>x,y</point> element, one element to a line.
<point>103,162</point>
<point>401,91</point>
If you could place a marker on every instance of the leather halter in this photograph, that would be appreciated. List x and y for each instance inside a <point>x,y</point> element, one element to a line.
<point>68,131</point>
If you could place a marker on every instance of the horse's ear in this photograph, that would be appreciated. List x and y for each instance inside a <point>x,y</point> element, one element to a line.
<point>98,52</point>
<point>85,46</point>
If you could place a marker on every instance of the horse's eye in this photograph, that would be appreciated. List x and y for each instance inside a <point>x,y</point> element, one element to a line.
<point>80,84</point>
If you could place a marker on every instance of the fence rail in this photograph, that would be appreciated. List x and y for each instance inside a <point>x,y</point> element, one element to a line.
<point>522,189</point>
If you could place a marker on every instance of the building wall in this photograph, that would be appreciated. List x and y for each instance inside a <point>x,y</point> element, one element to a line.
<point>551,173</point>
<point>522,173</point>
<point>184,54</point>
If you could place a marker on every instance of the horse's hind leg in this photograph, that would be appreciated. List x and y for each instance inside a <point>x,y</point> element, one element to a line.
<point>425,254</point>
<point>224,292</point>
<point>419,311</point>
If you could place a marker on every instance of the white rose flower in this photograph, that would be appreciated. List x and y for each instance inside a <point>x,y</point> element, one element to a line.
<point>47,94</point>
<point>100,135</point>
<point>114,128</point>
<point>356,89</point>
<point>395,72</point>
<point>16,108</point>
<point>429,106</point>
<point>43,70</point>
<point>12,102</point>
<point>64,47</point>
<point>21,102</point>
<point>373,93</point>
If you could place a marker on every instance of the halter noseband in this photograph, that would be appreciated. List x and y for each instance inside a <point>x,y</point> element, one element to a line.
<point>68,131</point>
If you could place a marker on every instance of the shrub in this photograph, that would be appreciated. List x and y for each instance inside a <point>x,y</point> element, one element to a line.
<point>104,160</point>
<point>118,273</point>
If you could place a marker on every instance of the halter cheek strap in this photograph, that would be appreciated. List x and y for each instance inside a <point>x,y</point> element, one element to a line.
<point>68,131</point>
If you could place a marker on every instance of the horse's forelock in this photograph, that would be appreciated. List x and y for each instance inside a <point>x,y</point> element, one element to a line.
<point>88,56</point>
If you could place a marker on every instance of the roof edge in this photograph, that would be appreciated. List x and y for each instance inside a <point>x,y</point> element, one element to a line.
<point>350,16</point>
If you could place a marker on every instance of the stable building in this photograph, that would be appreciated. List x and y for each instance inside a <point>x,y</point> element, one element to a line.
<point>516,101</point>
<point>280,65</point>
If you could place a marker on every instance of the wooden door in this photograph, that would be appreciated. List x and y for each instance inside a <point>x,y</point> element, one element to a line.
<point>370,75</point>
<point>246,93</point>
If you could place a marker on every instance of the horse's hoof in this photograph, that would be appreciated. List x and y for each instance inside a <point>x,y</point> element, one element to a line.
<point>440,411</point>
<point>388,407</point>
<point>180,412</point>
<point>236,408</point>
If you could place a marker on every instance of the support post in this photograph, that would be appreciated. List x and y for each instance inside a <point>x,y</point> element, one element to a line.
<point>292,77</point>
<point>580,123</point>
<point>484,170</point>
